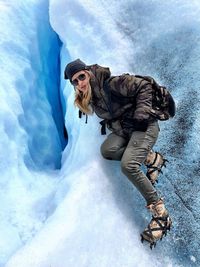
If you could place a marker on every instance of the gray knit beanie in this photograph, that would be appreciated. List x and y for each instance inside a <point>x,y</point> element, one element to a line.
<point>74,67</point>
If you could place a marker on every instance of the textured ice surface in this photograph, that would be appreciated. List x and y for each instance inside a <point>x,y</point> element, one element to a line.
<point>94,214</point>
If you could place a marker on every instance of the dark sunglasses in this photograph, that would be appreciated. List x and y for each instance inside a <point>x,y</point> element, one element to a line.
<point>81,77</point>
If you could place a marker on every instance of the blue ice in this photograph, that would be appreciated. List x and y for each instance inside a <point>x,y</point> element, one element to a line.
<point>62,204</point>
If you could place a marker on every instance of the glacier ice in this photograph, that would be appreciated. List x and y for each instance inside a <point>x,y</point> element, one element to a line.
<point>86,213</point>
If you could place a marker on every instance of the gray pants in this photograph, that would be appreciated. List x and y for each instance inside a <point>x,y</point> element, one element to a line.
<point>132,154</point>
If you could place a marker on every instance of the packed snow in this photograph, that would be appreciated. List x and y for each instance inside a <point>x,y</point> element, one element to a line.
<point>62,204</point>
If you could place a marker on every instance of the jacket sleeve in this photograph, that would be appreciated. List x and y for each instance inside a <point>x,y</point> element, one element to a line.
<point>143,104</point>
<point>141,90</point>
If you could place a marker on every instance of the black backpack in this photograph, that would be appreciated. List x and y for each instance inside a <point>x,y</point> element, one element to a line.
<point>163,104</point>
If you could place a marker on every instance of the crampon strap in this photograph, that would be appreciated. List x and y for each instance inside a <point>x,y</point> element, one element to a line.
<point>155,168</point>
<point>163,228</point>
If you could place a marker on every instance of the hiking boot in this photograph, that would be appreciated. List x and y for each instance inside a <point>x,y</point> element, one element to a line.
<point>154,163</point>
<point>159,224</point>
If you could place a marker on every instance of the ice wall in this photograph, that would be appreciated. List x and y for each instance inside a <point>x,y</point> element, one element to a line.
<point>31,121</point>
<point>96,214</point>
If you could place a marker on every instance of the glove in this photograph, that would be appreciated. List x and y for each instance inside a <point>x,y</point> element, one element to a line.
<point>140,125</point>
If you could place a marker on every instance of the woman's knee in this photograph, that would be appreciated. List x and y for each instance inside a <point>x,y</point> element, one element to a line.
<point>105,152</point>
<point>113,147</point>
<point>130,166</point>
<point>111,152</point>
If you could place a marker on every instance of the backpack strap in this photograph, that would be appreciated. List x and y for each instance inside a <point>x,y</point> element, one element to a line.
<point>103,127</point>
<point>106,89</point>
<point>80,113</point>
<point>147,78</point>
<point>107,92</point>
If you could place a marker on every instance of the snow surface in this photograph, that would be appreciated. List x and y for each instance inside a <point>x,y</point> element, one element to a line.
<point>81,210</point>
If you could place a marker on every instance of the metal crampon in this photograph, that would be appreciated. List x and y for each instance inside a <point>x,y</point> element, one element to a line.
<point>151,243</point>
<point>159,225</point>
<point>146,236</point>
<point>154,163</point>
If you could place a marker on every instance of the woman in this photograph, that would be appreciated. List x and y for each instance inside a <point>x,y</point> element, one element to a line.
<point>123,102</point>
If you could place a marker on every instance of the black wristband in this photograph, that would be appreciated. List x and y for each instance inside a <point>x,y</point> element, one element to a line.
<point>140,125</point>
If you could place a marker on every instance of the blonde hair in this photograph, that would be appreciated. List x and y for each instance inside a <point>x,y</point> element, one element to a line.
<point>82,99</point>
